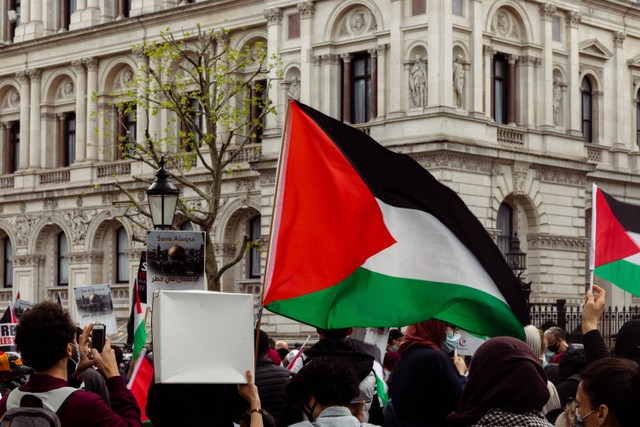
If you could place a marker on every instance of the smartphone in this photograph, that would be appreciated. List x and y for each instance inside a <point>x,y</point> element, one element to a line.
<point>98,334</point>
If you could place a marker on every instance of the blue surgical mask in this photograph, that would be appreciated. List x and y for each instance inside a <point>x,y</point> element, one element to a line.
<point>451,341</point>
<point>394,348</point>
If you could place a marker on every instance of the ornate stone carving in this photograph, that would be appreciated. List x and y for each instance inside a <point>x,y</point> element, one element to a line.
<point>78,64</point>
<point>13,98</point>
<point>138,52</point>
<point>545,241</point>
<point>91,63</point>
<point>382,49</point>
<point>27,260</point>
<point>520,172</point>
<point>547,10</point>
<point>488,50</point>
<point>109,198</point>
<point>84,257</point>
<point>505,25</point>
<point>512,58</point>
<point>597,70</point>
<point>23,76</point>
<point>306,9</point>
<point>358,21</point>
<point>573,18</point>
<point>528,60</point>
<point>335,59</point>
<point>450,161</point>
<point>268,177</point>
<point>80,220</point>
<point>618,38</point>
<point>49,204</point>
<point>273,15</point>
<point>34,75</point>
<point>245,185</point>
<point>141,196</point>
<point>561,176</point>
<point>636,80</point>
<point>79,201</point>
<point>23,207</point>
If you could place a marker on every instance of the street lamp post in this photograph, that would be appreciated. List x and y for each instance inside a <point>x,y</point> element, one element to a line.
<point>163,199</point>
<point>517,261</point>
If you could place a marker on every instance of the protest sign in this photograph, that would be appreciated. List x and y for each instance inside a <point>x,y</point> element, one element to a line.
<point>95,306</point>
<point>175,261</point>
<point>202,337</point>
<point>142,278</point>
<point>20,306</point>
<point>468,343</point>
<point>7,336</point>
<point>376,337</point>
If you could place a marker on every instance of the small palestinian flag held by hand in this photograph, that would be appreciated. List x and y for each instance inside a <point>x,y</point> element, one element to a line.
<point>615,241</point>
<point>362,236</point>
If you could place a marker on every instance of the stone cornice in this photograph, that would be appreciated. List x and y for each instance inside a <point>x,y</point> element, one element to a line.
<point>82,257</point>
<point>560,176</point>
<point>452,161</point>
<point>565,243</point>
<point>27,260</point>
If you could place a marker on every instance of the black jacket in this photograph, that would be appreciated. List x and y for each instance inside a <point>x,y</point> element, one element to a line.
<point>271,381</point>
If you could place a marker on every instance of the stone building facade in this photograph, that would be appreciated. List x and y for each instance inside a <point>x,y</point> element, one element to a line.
<point>517,105</point>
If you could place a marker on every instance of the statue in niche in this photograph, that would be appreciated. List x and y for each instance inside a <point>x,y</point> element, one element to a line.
<point>418,82</point>
<point>557,101</point>
<point>458,80</point>
<point>358,22</point>
<point>502,23</point>
<point>294,88</point>
<point>68,89</point>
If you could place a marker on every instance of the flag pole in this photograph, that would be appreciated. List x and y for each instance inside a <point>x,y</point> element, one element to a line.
<point>592,249</point>
<point>273,209</point>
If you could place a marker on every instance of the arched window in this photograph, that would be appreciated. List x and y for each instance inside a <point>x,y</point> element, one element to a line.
<point>587,110</point>
<point>7,264</point>
<point>505,225</point>
<point>63,264</point>
<point>122,260</point>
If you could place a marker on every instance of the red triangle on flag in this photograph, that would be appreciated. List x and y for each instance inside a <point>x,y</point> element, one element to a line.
<point>612,241</point>
<point>329,221</point>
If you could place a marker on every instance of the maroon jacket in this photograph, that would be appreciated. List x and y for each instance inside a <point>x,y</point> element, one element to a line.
<point>84,408</point>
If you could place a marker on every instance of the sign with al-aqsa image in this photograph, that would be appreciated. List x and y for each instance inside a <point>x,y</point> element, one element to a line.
<point>175,261</point>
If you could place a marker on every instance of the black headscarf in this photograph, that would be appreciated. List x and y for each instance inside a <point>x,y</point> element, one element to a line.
<point>503,374</point>
<point>628,341</point>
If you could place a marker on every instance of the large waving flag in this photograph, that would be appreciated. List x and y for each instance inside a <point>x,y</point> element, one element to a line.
<point>615,241</point>
<point>139,325</point>
<point>362,236</point>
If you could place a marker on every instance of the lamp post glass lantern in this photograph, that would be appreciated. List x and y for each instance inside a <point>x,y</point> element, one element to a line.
<point>163,199</point>
<point>517,261</point>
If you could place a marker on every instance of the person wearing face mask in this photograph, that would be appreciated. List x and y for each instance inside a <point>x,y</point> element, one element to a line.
<point>556,342</point>
<point>392,356</point>
<point>46,339</point>
<point>426,385</point>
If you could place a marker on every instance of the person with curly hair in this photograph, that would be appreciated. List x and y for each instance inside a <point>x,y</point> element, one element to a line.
<point>609,393</point>
<point>46,339</point>
<point>323,390</point>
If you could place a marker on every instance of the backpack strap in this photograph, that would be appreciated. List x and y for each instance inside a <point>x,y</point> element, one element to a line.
<point>52,400</point>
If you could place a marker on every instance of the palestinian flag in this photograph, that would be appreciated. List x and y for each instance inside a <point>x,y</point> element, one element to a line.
<point>365,237</point>
<point>139,383</point>
<point>615,241</point>
<point>139,325</point>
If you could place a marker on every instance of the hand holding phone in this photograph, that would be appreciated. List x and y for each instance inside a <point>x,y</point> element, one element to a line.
<point>98,335</point>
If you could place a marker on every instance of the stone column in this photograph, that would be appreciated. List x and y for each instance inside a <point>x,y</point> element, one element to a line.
<point>274,30</point>
<point>545,105</point>
<point>346,88</point>
<point>34,120</point>
<point>374,83</point>
<point>573,19</point>
<point>526,90</point>
<point>477,108</point>
<point>25,94</point>
<point>142,106</point>
<point>381,82</point>
<point>396,11</point>
<point>121,12</point>
<point>64,25</point>
<point>489,51</point>
<point>511,101</point>
<point>81,109</point>
<point>154,120</point>
<point>92,107</point>
<point>307,10</point>
<point>622,96</point>
<point>440,38</point>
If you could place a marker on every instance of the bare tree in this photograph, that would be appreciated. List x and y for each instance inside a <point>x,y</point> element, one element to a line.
<point>215,96</point>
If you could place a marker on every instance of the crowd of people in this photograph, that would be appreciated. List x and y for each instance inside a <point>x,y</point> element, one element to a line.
<point>420,381</point>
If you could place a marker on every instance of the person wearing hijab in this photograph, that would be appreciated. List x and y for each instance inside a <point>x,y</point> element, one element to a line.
<point>536,342</point>
<point>425,386</point>
<point>507,387</point>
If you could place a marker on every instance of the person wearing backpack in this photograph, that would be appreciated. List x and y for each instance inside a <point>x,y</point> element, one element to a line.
<point>46,339</point>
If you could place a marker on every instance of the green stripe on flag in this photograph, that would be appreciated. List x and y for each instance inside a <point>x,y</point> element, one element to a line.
<point>382,395</point>
<point>624,274</point>
<point>348,303</point>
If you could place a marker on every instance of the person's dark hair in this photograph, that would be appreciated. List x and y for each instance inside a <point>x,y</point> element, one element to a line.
<point>628,341</point>
<point>43,334</point>
<point>335,334</point>
<point>263,342</point>
<point>615,382</point>
<point>267,419</point>
<point>572,362</point>
<point>330,381</point>
<point>282,352</point>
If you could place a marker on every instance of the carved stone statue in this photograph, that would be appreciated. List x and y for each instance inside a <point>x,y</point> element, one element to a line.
<point>294,88</point>
<point>557,101</point>
<point>458,80</point>
<point>418,82</point>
